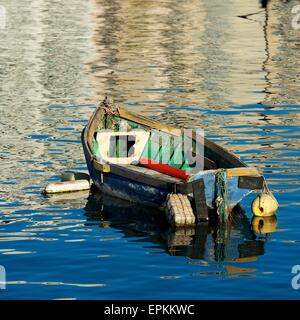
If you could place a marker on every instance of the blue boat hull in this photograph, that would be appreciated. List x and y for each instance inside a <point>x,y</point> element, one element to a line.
<point>134,191</point>
<point>126,189</point>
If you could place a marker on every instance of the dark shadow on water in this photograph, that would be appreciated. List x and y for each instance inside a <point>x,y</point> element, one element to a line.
<point>264,3</point>
<point>234,242</point>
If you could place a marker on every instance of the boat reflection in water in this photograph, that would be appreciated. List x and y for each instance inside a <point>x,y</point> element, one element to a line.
<point>238,240</point>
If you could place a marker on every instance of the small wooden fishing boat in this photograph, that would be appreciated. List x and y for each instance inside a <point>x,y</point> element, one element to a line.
<point>142,160</point>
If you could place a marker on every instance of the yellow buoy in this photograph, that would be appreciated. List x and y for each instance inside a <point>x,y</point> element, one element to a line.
<point>264,205</point>
<point>263,225</point>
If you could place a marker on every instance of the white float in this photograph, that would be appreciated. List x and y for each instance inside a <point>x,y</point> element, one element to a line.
<point>67,186</point>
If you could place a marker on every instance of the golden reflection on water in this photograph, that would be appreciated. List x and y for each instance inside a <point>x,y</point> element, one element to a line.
<point>209,53</point>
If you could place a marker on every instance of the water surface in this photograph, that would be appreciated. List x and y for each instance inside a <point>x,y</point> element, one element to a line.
<point>193,64</point>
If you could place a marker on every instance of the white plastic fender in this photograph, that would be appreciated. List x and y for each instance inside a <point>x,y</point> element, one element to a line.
<point>74,175</point>
<point>67,186</point>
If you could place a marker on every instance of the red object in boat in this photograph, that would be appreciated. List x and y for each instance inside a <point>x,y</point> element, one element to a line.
<point>164,168</point>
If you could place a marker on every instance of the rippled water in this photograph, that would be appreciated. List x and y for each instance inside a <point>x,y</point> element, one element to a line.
<point>192,63</point>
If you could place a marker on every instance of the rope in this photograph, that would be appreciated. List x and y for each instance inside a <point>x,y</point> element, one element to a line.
<point>221,201</point>
<point>265,187</point>
<point>109,107</point>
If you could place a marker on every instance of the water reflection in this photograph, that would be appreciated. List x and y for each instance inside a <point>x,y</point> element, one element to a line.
<point>190,63</point>
<point>281,47</point>
<point>178,52</point>
<point>235,242</point>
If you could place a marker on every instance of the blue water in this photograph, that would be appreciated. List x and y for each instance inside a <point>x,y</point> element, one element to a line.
<point>178,65</point>
<point>84,248</point>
